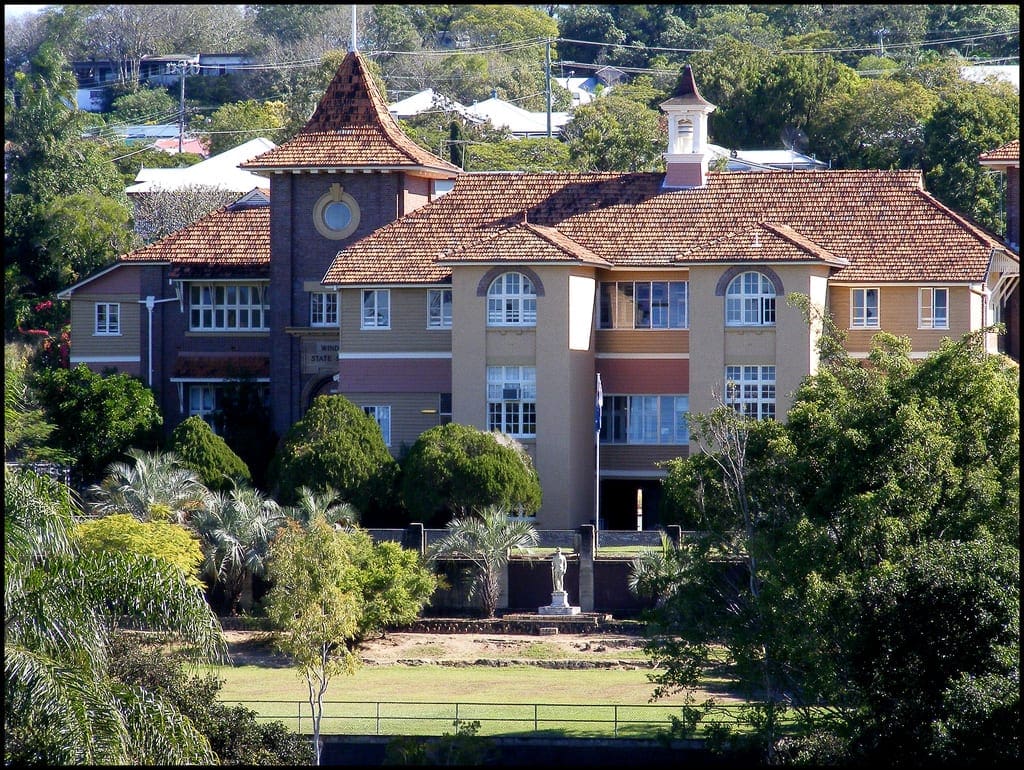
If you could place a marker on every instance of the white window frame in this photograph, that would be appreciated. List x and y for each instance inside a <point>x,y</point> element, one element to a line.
<point>375,309</point>
<point>220,307</point>
<point>928,314</point>
<point>439,308</point>
<point>512,400</point>
<point>860,308</point>
<point>323,308</point>
<point>511,301</point>
<point>637,298</point>
<point>204,400</point>
<point>750,300</point>
<point>107,319</point>
<point>381,413</point>
<point>645,419</point>
<point>751,391</point>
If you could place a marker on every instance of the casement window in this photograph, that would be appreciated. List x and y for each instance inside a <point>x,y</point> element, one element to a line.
<point>750,300</point>
<point>750,390</point>
<point>228,307</point>
<point>512,400</point>
<point>382,414</point>
<point>108,319</point>
<point>439,309</point>
<point>643,305</point>
<point>645,420</point>
<point>863,308</point>
<point>376,309</point>
<point>933,309</point>
<point>323,308</point>
<point>511,301</point>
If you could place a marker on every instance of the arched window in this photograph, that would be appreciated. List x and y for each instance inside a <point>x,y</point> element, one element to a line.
<point>750,301</point>
<point>511,301</point>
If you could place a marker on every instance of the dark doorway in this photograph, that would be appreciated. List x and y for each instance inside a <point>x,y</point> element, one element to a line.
<point>619,503</point>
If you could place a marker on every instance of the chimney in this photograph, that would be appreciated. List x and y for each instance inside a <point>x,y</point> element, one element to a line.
<point>686,162</point>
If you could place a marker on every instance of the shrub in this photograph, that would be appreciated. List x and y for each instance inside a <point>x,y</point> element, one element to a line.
<point>209,455</point>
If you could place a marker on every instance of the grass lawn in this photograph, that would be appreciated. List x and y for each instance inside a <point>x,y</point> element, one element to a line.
<point>506,700</point>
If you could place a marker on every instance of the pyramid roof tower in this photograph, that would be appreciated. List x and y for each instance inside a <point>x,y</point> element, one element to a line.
<point>352,128</point>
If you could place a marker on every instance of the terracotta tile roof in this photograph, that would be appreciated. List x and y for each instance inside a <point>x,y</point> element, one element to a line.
<point>765,242</point>
<point>235,238</point>
<point>220,365</point>
<point>882,222</point>
<point>1009,151</point>
<point>525,242</point>
<point>351,128</point>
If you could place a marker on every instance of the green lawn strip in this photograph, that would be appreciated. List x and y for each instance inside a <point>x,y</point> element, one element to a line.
<point>421,700</point>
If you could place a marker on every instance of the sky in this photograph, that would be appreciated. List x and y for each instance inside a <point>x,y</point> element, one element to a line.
<point>12,10</point>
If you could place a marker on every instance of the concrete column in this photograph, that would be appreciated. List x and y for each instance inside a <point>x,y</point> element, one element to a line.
<point>416,538</point>
<point>585,552</point>
<point>503,588</point>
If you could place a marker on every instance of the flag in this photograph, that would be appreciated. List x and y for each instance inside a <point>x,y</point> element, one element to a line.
<point>598,405</point>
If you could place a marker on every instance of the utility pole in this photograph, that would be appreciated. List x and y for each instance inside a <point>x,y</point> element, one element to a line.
<point>182,68</point>
<point>547,72</point>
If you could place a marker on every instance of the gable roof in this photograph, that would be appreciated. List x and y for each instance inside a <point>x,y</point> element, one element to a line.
<point>522,243</point>
<point>764,242</point>
<point>881,223</point>
<point>352,128</point>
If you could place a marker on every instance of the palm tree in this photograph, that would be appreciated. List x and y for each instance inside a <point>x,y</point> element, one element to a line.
<point>326,504</point>
<point>656,573</point>
<point>485,539</point>
<point>156,486</point>
<point>236,529</point>
<point>61,705</point>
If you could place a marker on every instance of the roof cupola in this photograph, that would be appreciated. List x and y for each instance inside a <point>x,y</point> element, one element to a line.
<point>686,162</point>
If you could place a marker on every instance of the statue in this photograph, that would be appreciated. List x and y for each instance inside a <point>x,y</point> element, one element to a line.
<point>557,569</point>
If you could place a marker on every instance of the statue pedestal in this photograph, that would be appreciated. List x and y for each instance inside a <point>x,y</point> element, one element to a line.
<point>559,605</point>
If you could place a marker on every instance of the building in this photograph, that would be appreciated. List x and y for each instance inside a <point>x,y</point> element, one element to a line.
<point>219,171</point>
<point>423,293</point>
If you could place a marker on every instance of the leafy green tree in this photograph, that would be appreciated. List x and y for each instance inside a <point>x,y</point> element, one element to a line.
<point>236,528</point>
<point>336,444</point>
<point>620,131</point>
<point>60,607</point>
<point>936,653</point>
<point>453,468</point>
<point>97,418</point>
<point>485,539</point>
<point>315,603</point>
<point>202,450</point>
<point>121,533</point>
<point>147,105</point>
<point>395,582</point>
<point>25,427</point>
<point>233,124</point>
<point>154,486</point>
<point>49,160</point>
<point>971,119</point>
<point>878,124</point>
<point>520,155</point>
<point>236,734</point>
<point>890,494</point>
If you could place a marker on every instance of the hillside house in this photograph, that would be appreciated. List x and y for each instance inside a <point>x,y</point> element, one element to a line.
<point>423,293</point>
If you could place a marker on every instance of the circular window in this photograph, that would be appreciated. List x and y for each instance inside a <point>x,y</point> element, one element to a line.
<point>336,214</point>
